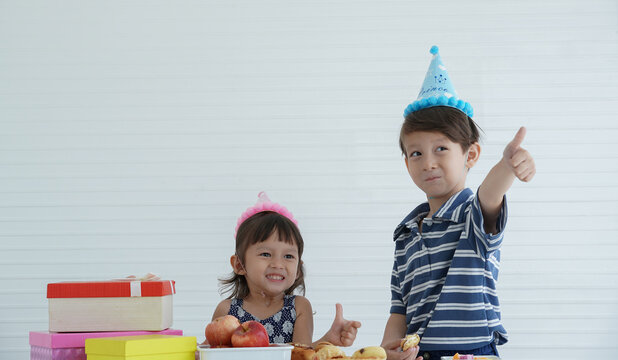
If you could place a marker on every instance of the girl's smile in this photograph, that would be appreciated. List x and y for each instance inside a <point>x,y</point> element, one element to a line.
<point>275,277</point>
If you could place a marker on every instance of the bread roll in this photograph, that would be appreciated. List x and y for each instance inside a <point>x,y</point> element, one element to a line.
<point>410,341</point>
<point>302,352</point>
<point>370,352</point>
<point>328,351</point>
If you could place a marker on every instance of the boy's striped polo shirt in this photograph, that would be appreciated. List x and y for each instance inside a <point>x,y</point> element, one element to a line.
<point>444,279</point>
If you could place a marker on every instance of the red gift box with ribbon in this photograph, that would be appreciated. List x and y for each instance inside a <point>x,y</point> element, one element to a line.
<point>116,305</point>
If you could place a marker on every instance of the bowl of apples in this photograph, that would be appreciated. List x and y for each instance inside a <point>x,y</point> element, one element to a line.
<point>229,339</point>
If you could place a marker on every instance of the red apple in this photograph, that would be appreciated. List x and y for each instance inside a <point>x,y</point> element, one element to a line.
<point>219,331</point>
<point>250,334</point>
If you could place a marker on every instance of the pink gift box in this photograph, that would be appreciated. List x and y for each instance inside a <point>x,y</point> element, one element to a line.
<point>45,345</point>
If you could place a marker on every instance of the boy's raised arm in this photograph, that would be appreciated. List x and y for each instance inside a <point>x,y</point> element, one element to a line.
<point>516,162</point>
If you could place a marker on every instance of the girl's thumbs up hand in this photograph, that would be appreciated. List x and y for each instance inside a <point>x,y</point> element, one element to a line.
<point>342,331</point>
<point>519,159</point>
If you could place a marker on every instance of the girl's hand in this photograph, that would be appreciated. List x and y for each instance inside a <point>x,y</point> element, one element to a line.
<point>519,159</point>
<point>393,351</point>
<point>342,332</point>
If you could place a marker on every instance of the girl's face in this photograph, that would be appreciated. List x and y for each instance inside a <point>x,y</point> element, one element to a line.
<point>437,165</point>
<point>270,267</point>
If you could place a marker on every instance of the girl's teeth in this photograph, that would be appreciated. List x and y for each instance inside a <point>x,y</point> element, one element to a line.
<point>275,277</point>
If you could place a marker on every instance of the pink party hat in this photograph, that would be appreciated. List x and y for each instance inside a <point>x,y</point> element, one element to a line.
<point>264,204</point>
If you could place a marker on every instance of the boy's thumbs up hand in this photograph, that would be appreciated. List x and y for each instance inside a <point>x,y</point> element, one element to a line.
<point>517,140</point>
<point>519,159</point>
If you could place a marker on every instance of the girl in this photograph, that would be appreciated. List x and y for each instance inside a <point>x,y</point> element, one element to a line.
<point>267,269</point>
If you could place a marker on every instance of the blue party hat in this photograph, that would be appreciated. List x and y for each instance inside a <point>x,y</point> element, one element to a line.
<point>438,90</point>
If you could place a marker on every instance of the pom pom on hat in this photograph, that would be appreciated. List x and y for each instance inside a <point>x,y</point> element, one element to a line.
<point>264,204</point>
<point>437,89</point>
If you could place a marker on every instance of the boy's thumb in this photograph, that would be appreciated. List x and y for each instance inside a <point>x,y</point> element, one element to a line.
<point>338,311</point>
<point>517,139</point>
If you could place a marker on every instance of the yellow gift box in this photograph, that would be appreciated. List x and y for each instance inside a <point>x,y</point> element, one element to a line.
<point>142,347</point>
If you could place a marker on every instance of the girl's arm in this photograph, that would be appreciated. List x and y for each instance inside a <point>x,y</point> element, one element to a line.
<point>515,162</point>
<point>222,309</point>
<point>303,327</point>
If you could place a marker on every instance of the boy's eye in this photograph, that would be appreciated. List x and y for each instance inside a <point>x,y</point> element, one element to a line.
<point>265,254</point>
<point>415,154</point>
<point>441,148</point>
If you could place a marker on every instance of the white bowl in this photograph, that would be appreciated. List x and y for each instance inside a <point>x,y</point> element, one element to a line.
<point>272,352</point>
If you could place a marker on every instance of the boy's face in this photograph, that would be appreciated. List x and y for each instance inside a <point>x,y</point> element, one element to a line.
<point>437,165</point>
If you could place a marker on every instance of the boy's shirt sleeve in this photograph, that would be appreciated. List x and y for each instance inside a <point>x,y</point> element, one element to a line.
<point>397,305</point>
<point>486,243</point>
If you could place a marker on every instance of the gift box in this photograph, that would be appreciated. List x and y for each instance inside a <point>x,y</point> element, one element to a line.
<point>120,305</point>
<point>45,345</point>
<point>151,347</point>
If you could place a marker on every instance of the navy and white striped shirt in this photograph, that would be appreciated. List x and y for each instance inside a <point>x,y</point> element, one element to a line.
<point>444,280</point>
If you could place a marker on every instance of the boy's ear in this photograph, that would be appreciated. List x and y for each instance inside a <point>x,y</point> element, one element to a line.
<point>473,154</point>
<point>237,265</point>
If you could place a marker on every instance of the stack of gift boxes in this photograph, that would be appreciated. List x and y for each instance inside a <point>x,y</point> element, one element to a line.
<point>111,320</point>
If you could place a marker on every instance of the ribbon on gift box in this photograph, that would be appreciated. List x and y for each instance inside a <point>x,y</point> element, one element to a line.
<point>136,288</point>
<point>124,288</point>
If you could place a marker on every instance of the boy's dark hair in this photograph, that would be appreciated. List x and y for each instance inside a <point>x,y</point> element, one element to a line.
<point>453,123</point>
<point>257,229</point>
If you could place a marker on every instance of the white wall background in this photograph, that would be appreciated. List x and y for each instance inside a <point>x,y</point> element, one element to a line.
<point>133,134</point>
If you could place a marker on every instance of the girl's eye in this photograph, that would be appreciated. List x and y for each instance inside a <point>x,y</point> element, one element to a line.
<point>290,256</point>
<point>415,154</point>
<point>265,254</point>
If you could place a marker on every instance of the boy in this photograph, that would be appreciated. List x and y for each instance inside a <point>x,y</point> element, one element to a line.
<point>447,250</point>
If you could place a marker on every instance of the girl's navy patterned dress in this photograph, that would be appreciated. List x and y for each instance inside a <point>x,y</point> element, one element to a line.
<point>280,326</point>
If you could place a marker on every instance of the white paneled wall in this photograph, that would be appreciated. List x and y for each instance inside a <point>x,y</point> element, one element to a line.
<point>133,134</point>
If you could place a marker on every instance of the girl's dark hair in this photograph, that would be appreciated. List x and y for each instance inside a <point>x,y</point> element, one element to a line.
<point>256,229</point>
<point>453,123</point>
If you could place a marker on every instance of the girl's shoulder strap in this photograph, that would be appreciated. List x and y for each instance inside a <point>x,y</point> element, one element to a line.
<point>302,306</point>
<point>235,304</point>
<point>289,300</point>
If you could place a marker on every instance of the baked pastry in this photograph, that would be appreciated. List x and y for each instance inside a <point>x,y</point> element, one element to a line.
<point>370,352</point>
<point>302,352</point>
<point>322,344</point>
<point>410,341</point>
<point>328,351</point>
